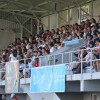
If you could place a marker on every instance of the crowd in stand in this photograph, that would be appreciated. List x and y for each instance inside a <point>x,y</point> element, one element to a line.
<point>47,42</point>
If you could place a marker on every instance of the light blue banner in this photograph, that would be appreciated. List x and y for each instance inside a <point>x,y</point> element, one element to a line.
<point>48,79</point>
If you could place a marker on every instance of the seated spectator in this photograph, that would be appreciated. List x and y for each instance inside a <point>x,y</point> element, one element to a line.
<point>95,38</point>
<point>36,62</point>
<point>52,48</point>
<point>97,50</point>
<point>88,57</point>
<point>91,44</point>
<point>22,64</point>
<point>58,45</point>
<point>13,56</point>
<point>88,40</point>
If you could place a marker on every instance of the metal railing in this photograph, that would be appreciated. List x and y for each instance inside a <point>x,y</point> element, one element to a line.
<point>69,58</point>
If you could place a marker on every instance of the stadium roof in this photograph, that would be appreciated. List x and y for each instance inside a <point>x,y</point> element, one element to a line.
<point>39,7</point>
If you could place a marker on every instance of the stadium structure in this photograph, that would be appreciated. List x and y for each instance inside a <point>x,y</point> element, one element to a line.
<point>50,49</point>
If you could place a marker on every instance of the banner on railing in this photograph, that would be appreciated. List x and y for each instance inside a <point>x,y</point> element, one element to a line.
<point>12,77</point>
<point>48,79</point>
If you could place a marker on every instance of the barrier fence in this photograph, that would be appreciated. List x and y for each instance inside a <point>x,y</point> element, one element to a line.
<point>73,64</point>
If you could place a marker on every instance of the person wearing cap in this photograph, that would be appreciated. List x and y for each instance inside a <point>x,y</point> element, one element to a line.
<point>14,97</point>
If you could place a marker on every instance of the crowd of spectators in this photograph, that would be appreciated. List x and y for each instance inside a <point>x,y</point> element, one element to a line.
<point>47,42</point>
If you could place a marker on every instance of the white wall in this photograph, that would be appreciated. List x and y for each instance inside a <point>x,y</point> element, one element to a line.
<point>44,20</point>
<point>62,18</point>
<point>50,22</point>
<point>53,21</point>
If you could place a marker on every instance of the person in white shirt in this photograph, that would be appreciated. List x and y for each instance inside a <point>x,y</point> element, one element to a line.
<point>13,56</point>
<point>52,48</point>
<point>58,45</point>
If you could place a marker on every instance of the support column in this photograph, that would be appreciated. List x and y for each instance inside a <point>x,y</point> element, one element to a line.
<point>48,21</point>
<point>21,31</point>
<point>68,16</point>
<point>31,26</point>
<point>79,19</point>
<point>91,9</point>
<point>82,85</point>
<point>57,20</point>
<point>38,26</point>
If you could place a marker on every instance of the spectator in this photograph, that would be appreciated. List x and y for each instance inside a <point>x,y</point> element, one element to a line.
<point>52,48</point>
<point>58,45</point>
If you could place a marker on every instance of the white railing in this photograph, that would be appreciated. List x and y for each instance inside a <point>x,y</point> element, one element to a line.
<point>67,58</point>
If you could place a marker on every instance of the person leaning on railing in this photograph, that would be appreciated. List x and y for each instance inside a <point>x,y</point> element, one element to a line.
<point>84,62</point>
<point>96,52</point>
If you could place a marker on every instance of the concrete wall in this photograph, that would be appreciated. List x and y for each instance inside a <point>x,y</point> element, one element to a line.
<point>50,22</point>
<point>62,19</point>
<point>91,96</point>
<point>70,96</point>
<point>6,37</point>
<point>44,20</point>
<point>36,96</point>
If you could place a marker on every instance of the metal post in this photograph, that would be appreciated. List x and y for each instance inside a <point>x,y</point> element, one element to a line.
<point>54,60</point>
<point>48,21</point>
<point>91,64</point>
<point>92,9</point>
<point>71,63</point>
<point>57,20</point>
<point>31,26</point>
<point>38,26</point>
<point>81,62</point>
<point>79,20</point>
<point>68,15</point>
<point>62,58</point>
<point>21,26</point>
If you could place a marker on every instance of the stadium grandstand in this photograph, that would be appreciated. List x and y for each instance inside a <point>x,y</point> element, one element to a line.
<point>49,49</point>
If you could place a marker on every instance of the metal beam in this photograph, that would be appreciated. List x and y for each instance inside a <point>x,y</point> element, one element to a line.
<point>85,12</point>
<point>92,8</point>
<point>21,24</point>
<point>23,15</point>
<point>44,3</point>
<point>26,21</point>
<point>62,19</point>
<point>2,5</point>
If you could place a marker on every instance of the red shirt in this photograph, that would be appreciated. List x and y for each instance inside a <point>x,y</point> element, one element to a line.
<point>36,64</point>
<point>15,98</point>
